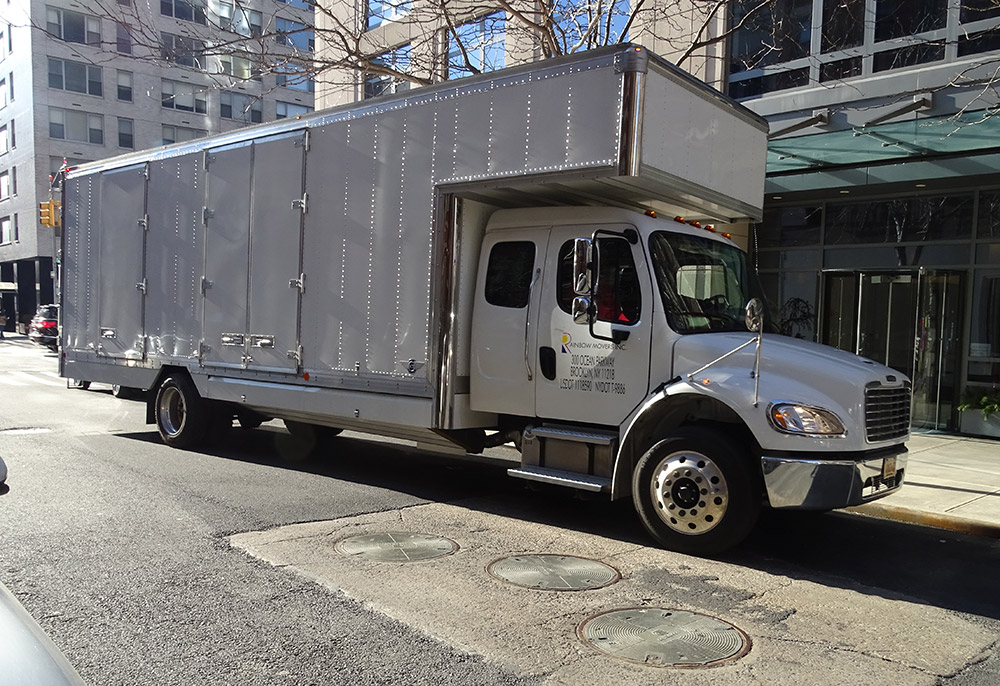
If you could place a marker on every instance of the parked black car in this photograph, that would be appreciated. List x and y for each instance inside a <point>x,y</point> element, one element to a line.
<point>44,327</point>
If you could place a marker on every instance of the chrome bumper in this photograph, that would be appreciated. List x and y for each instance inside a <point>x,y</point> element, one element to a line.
<point>811,484</point>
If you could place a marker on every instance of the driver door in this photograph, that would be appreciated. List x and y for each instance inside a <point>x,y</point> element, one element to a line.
<point>584,376</point>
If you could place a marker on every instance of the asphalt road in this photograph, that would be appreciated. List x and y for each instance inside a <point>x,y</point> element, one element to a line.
<point>133,557</point>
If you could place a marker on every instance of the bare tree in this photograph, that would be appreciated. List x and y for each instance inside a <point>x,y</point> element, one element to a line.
<point>380,45</point>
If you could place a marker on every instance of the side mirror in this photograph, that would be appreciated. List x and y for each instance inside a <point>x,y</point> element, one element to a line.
<point>581,310</point>
<point>754,316</point>
<point>582,258</point>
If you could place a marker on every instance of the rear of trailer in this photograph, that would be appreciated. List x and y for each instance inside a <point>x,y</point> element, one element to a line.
<point>321,269</point>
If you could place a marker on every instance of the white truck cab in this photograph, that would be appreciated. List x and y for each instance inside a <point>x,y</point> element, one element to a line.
<point>633,372</point>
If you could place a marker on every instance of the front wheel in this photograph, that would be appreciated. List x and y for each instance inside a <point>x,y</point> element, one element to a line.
<point>182,416</point>
<point>695,492</point>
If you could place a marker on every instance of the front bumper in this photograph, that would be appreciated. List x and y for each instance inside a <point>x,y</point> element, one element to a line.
<point>808,483</point>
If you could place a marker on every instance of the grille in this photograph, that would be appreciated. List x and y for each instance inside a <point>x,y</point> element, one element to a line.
<point>887,412</point>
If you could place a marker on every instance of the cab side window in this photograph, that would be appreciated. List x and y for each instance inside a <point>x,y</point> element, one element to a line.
<point>618,297</point>
<point>508,274</point>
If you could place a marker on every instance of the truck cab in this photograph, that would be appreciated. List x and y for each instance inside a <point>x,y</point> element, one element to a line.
<point>616,346</point>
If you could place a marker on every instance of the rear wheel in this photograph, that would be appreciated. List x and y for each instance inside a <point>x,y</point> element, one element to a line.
<point>182,416</point>
<point>695,492</point>
<point>305,438</point>
<point>125,392</point>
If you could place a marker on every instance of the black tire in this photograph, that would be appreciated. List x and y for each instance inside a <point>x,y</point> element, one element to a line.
<point>125,392</point>
<point>696,492</point>
<point>304,439</point>
<point>77,383</point>
<point>249,419</point>
<point>182,416</point>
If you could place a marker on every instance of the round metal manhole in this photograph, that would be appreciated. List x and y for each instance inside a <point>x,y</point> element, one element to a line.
<point>554,572</point>
<point>397,546</point>
<point>661,637</point>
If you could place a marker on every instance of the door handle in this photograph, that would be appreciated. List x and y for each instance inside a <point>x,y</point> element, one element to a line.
<point>547,362</point>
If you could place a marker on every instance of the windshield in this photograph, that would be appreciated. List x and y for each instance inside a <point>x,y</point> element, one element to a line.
<point>703,283</point>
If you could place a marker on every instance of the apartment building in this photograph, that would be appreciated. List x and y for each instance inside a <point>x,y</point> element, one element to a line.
<point>84,81</point>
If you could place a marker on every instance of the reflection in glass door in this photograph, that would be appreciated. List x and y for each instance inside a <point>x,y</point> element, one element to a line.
<point>937,351</point>
<point>886,319</point>
<point>907,320</point>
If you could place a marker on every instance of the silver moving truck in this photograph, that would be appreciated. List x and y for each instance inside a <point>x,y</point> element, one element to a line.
<point>480,262</point>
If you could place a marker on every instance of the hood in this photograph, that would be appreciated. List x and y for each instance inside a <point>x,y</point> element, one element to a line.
<point>790,357</point>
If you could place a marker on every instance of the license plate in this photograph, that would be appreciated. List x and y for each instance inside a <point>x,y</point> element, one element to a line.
<point>889,468</point>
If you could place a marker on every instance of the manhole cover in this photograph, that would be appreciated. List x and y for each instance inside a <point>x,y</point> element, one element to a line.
<point>397,546</point>
<point>662,637</point>
<point>554,572</point>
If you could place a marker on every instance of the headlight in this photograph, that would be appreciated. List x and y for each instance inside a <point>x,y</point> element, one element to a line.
<point>803,420</point>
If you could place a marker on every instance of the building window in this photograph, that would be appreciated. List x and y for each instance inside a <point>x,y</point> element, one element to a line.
<point>126,133</point>
<point>183,10</point>
<point>5,189</point>
<point>241,68</point>
<point>382,11</point>
<point>377,84</point>
<point>187,52</point>
<point>125,86</point>
<point>778,32</point>
<point>3,93</point>
<point>180,134</point>
<point>186,97</point>
<point>123,39</point>
<point>294,34</point>
<point>4,140</point>
<point>72,125</point>
<point>241,107</point>
<point>76,77</point>
<point>73,27</point>
<point>899,18</point>
<point>301,4</point>
<point>240,20</point>
<point>285,110</point>
<point>773,47</point>
<point>294,76</point>
<point>6,230</point>
<point>10,82</point>
<point>477,46</point>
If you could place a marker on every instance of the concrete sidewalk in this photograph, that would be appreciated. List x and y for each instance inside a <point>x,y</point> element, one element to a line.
<point>951,482</point>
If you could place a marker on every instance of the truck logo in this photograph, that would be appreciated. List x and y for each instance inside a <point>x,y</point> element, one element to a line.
<point>566,340</point>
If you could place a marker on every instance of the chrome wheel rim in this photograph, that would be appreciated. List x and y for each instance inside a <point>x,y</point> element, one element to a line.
<point>689,492</point>
<point>172,411</point>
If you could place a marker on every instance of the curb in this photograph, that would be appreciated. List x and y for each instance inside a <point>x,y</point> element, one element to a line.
<point>934,519</point>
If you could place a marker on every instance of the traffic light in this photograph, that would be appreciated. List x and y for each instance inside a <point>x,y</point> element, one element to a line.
<point>49,213</point>
<point>45,213</point>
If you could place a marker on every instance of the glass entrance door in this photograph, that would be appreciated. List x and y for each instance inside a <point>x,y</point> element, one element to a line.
<point>937,349</point>
<point>907,320</point>
<point>887,318</point>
